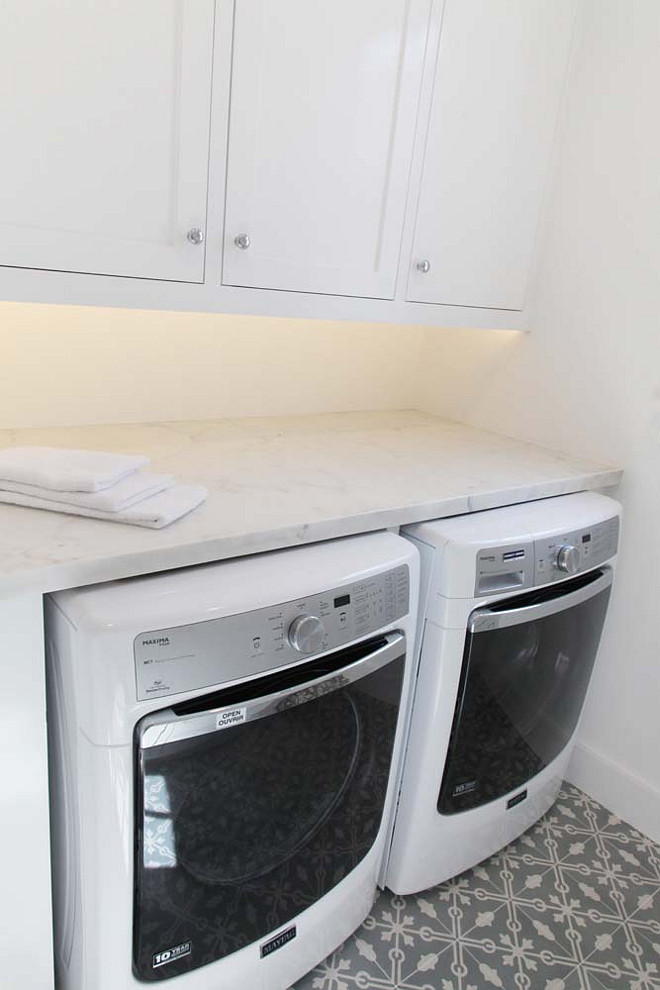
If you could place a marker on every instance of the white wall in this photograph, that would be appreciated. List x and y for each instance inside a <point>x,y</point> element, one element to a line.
<point>74,365</point>
<point>588,379</point>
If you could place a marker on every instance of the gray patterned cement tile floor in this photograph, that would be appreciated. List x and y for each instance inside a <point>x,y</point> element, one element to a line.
<point>574,904</point>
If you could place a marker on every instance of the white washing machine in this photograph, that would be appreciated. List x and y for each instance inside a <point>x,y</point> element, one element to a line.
<point>226,743</point>
<point>512,607</point>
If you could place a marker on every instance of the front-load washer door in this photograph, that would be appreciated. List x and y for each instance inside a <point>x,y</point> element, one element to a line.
<point>253,802</point>
<point>526,670</point>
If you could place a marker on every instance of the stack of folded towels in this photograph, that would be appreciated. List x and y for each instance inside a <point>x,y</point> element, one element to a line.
<point>94,483</point>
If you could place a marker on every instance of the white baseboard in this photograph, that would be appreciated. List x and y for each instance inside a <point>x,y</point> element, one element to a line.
<point>629,797</point>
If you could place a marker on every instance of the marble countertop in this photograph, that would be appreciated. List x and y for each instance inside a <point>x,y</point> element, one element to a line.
<point>279,482</point>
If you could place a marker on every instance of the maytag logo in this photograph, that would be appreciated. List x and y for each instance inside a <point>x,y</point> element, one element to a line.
<point>276,943</point>
<point>158,641</point>
<point>171,955</point>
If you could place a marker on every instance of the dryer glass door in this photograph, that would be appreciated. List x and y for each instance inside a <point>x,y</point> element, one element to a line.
<point>526,670</point>
<point>254,801</point>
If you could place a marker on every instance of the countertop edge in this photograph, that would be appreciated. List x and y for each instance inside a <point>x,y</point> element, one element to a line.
<point>114,567</point>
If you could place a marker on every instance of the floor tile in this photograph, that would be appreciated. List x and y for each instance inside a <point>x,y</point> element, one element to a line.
<point>574,904</point>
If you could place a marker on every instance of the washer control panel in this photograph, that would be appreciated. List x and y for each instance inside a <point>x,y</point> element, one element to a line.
<point>567,554</point>
<point>185,658</point>
<point>536,562</point>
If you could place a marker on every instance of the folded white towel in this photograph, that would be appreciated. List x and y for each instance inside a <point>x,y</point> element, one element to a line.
<point>155,512</point>
<point>66,470</point>
<point>127,492</point>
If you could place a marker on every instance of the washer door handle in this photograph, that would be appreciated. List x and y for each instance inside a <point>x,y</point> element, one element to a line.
<point>486,619</point>
<point>166,726</point>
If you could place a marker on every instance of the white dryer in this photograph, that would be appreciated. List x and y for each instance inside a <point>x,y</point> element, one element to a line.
<point>226,743</point>
<point>512,607</point>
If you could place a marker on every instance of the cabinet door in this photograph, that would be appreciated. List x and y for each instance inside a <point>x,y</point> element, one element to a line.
<point>105,121</point>
<point>322,118</point>
<point>498,88</point>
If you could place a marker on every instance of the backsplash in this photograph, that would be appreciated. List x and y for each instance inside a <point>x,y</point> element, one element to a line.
<point>74,365</point>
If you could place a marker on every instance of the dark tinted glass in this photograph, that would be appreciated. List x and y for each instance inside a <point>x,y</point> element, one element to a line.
<point>521,692</point>
<point>245,828</point>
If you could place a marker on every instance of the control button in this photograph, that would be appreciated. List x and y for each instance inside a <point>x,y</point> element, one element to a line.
<point>306,633</point>
<point>256,643</point>
<point>568,559</point>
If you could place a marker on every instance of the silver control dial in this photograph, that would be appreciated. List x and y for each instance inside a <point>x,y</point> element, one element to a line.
<point>306,634</point>
<point>568,559</point>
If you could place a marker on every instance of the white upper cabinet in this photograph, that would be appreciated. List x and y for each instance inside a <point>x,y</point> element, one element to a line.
<point>323,108</point>
<point>105,135</point>
<point>498,87</point>
<point>360,159</point>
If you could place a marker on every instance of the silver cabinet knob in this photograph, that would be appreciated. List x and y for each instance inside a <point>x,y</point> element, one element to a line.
<point>568,560</point>
<point>196,235</point>
<point>306,634</point>
<point>242,242</point>
<point>423,266</point>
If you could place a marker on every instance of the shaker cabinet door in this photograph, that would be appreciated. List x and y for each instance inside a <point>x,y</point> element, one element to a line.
<point>497,93</point>
<point>105,135</point>
<point>323,104</point>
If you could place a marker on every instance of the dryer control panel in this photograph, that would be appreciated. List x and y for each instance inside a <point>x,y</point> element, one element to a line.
<point>548,559</point>
<point>203,654</point>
